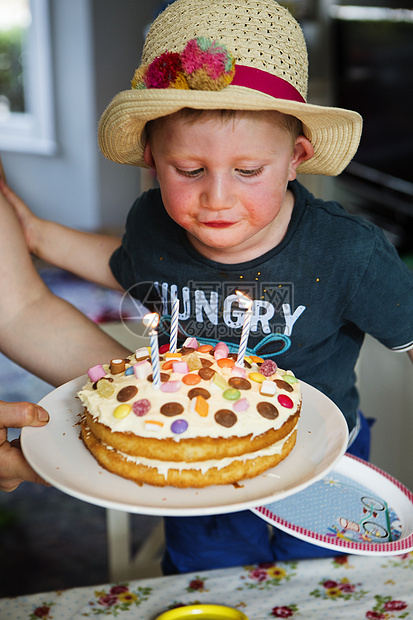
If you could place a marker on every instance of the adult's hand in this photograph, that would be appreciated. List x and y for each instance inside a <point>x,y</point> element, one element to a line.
<point>14,469</point>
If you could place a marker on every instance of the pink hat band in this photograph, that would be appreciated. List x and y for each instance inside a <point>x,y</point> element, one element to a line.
<point>265,82</point>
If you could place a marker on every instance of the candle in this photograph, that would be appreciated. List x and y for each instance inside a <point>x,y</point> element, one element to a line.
<point>151,321</point>
<point>173,339</point>
<point>244,302</point>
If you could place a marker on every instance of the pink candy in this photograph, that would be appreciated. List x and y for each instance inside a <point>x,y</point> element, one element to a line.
<point>241,405</point>
<point>141,407</point>
<point>171,386</point>
<point>191,342</point>
<point>221,350</point>
<point>142,369</point>
<point>268,368</point>
<point>96,372</point>
<point>236,371</point>
<point>180,367</point>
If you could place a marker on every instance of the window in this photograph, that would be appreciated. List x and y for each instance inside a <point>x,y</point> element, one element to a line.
<point>26,96</point>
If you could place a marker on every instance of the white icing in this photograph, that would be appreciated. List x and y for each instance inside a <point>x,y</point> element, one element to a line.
<point>248,422</point>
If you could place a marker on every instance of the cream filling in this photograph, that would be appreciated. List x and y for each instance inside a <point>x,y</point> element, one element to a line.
<point>202,466</point>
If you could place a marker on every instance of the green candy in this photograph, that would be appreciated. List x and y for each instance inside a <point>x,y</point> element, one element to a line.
<point>231,394</point>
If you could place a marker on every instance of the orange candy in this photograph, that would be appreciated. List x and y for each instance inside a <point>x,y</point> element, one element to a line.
<point>191,379</point>
<point>226,362</point>
<point>205,348</point>
<point>168,365</point>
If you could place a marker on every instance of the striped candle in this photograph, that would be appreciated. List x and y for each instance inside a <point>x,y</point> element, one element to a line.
<point>173,338</point>
<point>244,302</point>
<point>151,321</point>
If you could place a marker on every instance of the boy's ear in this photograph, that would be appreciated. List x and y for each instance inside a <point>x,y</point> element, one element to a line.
<point>148,157</point>
<point>302,151</point>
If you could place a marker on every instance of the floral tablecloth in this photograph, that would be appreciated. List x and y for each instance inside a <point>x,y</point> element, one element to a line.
<point>350,587</point>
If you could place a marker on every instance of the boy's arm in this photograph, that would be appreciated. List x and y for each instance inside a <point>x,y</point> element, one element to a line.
<point>84,254</point>
<point>39,331</point>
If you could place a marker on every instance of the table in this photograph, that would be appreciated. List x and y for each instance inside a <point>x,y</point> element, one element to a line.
<point>352,587</point>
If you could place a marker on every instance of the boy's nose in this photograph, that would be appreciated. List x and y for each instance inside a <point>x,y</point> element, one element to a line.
<point>218,194</point>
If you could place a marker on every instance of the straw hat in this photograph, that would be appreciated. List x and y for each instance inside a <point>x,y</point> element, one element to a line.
<point>226,54</point>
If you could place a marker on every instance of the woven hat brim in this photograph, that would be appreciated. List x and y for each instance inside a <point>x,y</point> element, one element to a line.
<point>334,132</point>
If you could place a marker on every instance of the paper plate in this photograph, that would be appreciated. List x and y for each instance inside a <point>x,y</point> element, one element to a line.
<point>339,512</point>
<point>203,612</point>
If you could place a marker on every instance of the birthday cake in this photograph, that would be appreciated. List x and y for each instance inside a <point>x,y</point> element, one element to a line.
<point>208,421</point>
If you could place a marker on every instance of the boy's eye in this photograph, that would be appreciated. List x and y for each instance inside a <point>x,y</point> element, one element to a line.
<point>250,172</point>
<point>190,173</point>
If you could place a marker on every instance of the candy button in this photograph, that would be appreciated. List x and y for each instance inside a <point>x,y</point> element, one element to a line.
<point>129,371</point>
<point>171,386</point>
<point>226,362</point>
<point>198,391</point>
<point>267,410</point>
<point>268,368</point>
<point>231,394</point>
<point>117,366</point>
<point>241,405</point>
<point>141,407</point>
<point>285,401</point>
<point>179,426</point>
<point>191,379</point>
<point>239,383</point>
<point>163,375</point>
<point>256,359</point>
<point>225,417</point>
<point>205,348</point>
<point>255,376</point>
<point>122,411</point>
<point>283,385</point>
<point>206,373</point>
<point>167,365</point>
<point>186,350</point>
<point>171,409</point>
<point>96,372</point>
<point>164,348</point>
<point>126,393</point>
<point>290,378</point>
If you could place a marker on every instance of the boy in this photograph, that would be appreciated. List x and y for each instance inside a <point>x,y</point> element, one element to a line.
<point>217,109</point>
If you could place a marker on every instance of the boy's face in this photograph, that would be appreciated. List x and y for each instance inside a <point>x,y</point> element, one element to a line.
<point>225,180</point>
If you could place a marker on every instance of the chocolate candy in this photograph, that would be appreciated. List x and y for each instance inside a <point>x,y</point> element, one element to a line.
<point>225,417</point>
<point>206,373</point>
<point>163,375</point>
<point>283,385</point>
<point>198,391</point>
<point>267,410</point>
<point>126,393</point>
<point>239,383</point>
<point>171,409</point>
<point>206,363</point>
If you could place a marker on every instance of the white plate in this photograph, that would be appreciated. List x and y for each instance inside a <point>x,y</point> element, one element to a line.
<point>57,453</point>
<point>356,507</point>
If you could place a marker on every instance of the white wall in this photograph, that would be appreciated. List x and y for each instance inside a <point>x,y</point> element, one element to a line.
<point>96,45</point>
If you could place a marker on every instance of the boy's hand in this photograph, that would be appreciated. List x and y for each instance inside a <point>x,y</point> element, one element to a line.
<point>28,221</point>
<point>14,469</point>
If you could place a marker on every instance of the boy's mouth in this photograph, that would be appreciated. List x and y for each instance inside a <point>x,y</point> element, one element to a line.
<point>217,224</point>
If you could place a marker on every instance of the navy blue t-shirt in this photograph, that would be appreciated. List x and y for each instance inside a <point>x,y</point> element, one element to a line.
<point>333,278</point>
